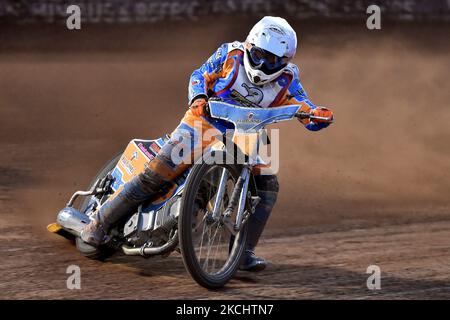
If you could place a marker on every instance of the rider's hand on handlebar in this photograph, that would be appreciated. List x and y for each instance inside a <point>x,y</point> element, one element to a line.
<point>323,113</point>
<point>198,107</point>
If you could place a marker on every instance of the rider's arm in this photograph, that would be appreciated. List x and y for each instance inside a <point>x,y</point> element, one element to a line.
<point>296,94</point>
<point>205,76</point>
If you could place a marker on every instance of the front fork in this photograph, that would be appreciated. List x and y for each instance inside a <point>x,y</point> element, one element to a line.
<point>245,177</point>
<point>238,199</point>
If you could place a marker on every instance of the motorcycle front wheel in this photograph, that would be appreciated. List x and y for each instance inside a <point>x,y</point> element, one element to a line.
<point>211,251</point>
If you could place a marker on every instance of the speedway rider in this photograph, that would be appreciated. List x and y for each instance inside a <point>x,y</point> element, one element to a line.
<point>256,73</point>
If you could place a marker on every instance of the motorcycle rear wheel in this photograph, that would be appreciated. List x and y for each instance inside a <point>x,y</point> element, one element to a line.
<point>102,252</point>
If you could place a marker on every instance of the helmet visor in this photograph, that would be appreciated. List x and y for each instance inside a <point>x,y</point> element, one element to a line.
<point>266,61</point>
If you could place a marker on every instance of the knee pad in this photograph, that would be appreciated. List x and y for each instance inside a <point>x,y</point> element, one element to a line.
<point>267,183</point>
<point>268,188</point>
<point>152,182</point>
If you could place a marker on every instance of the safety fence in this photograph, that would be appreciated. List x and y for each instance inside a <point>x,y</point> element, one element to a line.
<point>148,11</point>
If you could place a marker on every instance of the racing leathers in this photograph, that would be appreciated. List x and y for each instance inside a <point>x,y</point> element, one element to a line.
<point>222,76</point>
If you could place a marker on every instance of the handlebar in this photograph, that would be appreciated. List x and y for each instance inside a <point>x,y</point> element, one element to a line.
<point>206,110</point>
<point>300,115</point>
<point>305,115</point>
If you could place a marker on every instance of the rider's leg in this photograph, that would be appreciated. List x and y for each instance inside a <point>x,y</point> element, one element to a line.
<point>268,190</point>
<point>125,201</point>
<point>155,179</point>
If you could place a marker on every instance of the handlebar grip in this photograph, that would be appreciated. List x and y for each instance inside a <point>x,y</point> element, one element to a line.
<point>303,115</point>
<point>207,110</point>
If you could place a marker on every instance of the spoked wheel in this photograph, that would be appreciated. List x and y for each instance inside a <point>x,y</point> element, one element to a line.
<point>88,205</point>
<point>211,248</point>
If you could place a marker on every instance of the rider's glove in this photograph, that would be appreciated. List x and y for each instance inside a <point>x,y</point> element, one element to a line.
<point>198,107</point>
<point>322,112</point>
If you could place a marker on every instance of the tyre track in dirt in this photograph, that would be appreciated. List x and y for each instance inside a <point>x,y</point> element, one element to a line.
<point>413,258</point>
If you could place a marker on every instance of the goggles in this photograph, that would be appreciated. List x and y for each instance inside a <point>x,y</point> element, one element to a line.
<point>266,61</point>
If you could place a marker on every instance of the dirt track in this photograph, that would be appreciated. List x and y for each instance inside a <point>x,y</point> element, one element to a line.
<point>373,189</point>
<point>413,258</point>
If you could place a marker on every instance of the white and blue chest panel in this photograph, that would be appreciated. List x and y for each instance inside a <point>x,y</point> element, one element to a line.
<point>236,87</point>
<point>249,95</point>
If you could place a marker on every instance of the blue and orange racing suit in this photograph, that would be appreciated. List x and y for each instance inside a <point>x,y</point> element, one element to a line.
<point>223,75</point>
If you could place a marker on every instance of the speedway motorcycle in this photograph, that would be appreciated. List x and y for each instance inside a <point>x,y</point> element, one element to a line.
<point>203,216</point>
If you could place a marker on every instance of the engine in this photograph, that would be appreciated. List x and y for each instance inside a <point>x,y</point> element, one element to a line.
<point>153,228</point>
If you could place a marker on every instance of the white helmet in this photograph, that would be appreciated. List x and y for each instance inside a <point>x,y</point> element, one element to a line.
<point>269,47</point>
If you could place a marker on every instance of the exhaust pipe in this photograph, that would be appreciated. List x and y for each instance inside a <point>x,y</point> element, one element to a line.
<point>146,251</point>
<point>72,220</point>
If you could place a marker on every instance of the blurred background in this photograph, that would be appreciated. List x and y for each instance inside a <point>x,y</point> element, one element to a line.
<point>70,99</point>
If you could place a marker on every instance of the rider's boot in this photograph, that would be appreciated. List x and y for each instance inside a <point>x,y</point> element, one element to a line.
<point>256,224</point>
<point>142,187</point>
